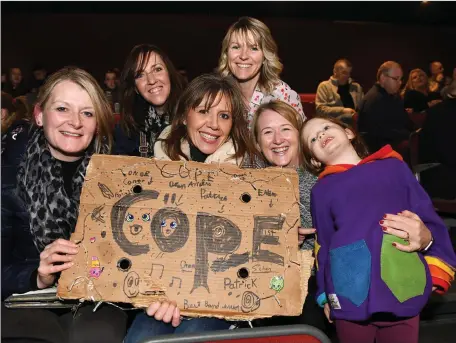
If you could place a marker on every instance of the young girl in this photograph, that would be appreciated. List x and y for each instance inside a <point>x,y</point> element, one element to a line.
<point>372,290</point>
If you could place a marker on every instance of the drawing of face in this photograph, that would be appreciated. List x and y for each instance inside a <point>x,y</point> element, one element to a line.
<point>277,283</point>
<point>137,222</point>
<point>168,225</point>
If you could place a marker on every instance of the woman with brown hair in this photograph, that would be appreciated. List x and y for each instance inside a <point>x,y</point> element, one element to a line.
<point>249,55</point>
<point>150,86</point>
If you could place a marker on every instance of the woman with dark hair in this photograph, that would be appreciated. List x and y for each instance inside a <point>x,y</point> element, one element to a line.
<point>210,127</point>
<point>150,87</point>
<point>40,209</point>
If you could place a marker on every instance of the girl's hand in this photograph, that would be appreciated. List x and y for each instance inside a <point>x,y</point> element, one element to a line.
<point>327,312</point>
<point>303,232</point>
<point>407,225</point>
<point>166,312</point>
<point>55,257</point>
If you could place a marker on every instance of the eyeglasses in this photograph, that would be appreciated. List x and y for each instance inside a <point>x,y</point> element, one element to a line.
<point>397,78</point>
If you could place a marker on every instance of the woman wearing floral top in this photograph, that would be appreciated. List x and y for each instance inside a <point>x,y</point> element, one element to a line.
<point>249,54</point>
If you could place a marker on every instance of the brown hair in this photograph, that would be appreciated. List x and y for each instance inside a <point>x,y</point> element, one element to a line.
<point>209,86</point>
<point>21,110</point>
<point>102,109</point>
<point>136,62</point>
<point>309,160</point>
<point>271,68</point>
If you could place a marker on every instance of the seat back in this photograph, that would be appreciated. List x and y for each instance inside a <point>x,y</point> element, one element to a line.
<point>284,334</point>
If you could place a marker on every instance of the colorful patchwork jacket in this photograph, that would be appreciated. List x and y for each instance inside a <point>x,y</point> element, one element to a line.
<point>359,271</point>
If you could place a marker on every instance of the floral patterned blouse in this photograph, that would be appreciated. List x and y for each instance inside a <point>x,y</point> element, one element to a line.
<point>281,92</point>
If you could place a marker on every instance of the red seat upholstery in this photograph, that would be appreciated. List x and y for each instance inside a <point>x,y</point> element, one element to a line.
<point>308,104</point>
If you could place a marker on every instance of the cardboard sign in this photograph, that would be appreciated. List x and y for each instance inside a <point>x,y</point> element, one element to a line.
<point>219,240</point>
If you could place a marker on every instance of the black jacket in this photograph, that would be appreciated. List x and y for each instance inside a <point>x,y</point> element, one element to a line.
<point>382,119</point>
<point>20,257</point>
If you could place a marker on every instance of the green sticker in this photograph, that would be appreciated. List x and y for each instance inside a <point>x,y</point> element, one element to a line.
<point>276,283</point>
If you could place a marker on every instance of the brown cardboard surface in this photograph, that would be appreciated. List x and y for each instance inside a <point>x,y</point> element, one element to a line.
<point>219,240</point>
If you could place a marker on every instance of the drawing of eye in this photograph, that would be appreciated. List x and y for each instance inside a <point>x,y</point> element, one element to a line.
<point>163,223</point>
<point>146,217</point>
<point>173,225</point>
<point>129,217</point>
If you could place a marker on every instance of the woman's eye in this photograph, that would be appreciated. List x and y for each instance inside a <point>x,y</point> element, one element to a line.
<point>203,111</point>
<point>158,69</point>
<point>235,47</point>
<point>326,127</point>
<point>88,114</point>
<point>129,217</point>
<point>140,75</point>
<point>146,217</point>
<point>267,132</point>
<point>173,225</point>
<point>61,109</point>
<point>255,48</point>
<point>163,223</point>
<point>313,140</point>
<point>224,116</point>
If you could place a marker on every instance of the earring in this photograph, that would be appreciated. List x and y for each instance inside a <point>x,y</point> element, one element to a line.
<point>184,122</point>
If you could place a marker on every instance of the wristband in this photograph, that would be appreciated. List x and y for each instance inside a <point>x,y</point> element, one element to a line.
<point>429,245</point>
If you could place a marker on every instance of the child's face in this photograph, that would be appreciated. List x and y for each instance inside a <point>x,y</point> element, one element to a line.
<point>326,140</point>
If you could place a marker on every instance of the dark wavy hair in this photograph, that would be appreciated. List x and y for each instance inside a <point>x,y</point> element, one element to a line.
<point>210,86</point>
<point>309,161</point>
<point>134,65</point>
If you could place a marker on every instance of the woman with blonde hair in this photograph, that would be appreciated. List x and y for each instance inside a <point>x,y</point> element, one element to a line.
<point>416,92</point>
<point>40,208</point>
<point>249,55</point>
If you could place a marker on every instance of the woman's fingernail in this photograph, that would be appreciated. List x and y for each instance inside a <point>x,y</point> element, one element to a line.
<point>383,228</point>
<point>393,244</point>
<point>381,222</point>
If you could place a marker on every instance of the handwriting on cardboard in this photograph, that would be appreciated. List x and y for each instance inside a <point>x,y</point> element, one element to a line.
<point>219,240</point>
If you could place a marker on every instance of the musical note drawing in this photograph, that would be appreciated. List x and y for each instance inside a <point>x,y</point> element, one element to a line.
<point>175,278</point>
<point>158,268</point>
<point>105,191</point>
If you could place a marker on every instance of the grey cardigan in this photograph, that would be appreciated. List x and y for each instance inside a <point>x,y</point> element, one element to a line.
<point>328,101</point>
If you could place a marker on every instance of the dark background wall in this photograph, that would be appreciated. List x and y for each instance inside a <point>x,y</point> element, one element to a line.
<point>308,48</point>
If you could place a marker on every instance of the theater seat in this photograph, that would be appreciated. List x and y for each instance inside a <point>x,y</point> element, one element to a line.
<point>283,334</point>
<point>308,104</point>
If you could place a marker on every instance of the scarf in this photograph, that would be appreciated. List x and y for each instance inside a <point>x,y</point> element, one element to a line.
<point>53,214</point>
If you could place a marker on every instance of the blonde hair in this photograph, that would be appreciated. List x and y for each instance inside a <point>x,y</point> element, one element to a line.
<point>271,68</point>
<point>409,84</point>
<point>102,109</point>
<point>281,108</point>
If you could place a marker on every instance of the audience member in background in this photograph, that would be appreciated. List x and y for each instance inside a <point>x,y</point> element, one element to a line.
<point>15,85</point>
<point>437,145</point>
<point>39,77</point>
<point>15,134</point>
<point>209,126</point>
<point>4,79</point>
<point>110,88</point>
<point>249,54</point>
<point>340,96</point>
<point>276,127</point>
<point>40,209</point>
<point>447,90</point>
<point>382,117</point>
<point>151,87</point>
<point>437,80</point>
<point>7,107</point>
<point>416,93</point>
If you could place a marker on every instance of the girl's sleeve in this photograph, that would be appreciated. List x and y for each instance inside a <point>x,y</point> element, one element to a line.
<point>325,227</point>
<point>440,257</point>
